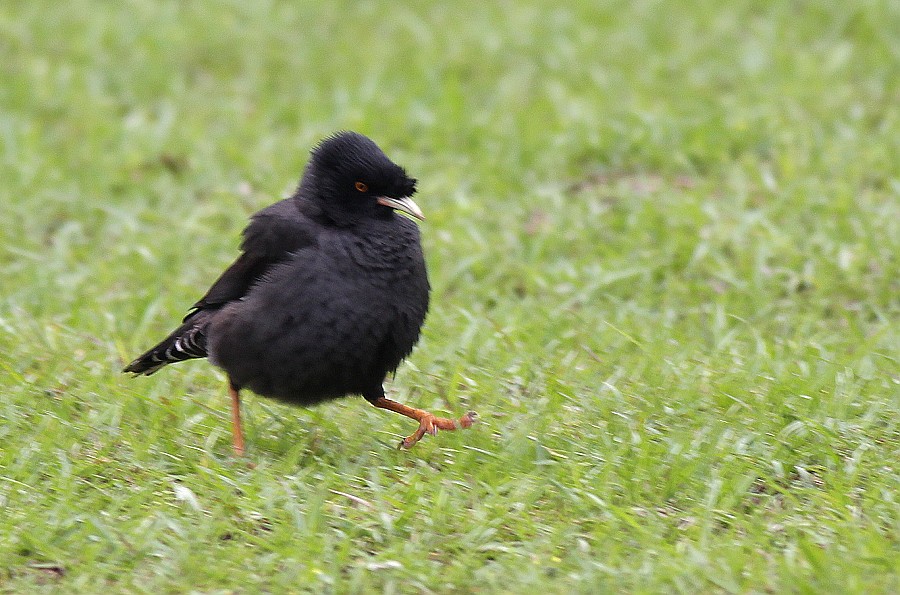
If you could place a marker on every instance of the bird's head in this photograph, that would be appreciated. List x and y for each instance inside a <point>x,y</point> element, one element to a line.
<point>352,179</point>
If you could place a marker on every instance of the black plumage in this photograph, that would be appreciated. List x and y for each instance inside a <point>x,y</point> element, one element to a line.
<point>328,295</point>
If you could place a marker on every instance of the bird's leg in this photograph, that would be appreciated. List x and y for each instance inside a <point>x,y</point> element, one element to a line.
<point>428,422</point>
<point>236,430</point>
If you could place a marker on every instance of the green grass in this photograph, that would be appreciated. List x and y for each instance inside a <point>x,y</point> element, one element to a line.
<point>664,241</point>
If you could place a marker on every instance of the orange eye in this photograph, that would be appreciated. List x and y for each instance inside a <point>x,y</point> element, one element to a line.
<point>361,187</point>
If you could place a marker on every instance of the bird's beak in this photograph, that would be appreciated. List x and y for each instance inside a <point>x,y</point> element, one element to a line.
<point>402,204</point>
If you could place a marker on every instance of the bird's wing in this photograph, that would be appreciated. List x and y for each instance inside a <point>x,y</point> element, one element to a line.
<point>272,236</point>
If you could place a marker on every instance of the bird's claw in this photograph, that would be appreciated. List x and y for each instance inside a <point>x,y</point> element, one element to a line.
<point>430,424</point>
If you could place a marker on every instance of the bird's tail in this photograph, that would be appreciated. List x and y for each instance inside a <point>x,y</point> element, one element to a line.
<point>186,342</point>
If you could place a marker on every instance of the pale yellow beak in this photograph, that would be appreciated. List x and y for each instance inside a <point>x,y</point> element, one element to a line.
<point>402,204</point>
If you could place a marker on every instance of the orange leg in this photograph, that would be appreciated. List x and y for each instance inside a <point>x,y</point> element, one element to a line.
<point>428,422</point>
<point>236,430</point>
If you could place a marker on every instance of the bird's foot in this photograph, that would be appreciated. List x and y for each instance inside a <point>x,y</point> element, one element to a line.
<point>430,424</point>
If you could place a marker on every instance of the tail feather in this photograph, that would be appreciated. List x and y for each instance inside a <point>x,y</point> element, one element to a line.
<point>186,342</point>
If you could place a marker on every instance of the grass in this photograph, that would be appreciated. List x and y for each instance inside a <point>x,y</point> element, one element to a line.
<point>664,242</point>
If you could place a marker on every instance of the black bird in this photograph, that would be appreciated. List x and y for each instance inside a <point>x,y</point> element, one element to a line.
<point>327,297</point>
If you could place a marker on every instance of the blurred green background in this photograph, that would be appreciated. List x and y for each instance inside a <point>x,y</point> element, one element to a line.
<point>663,240</point>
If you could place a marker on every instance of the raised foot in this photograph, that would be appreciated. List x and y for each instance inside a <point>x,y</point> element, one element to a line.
<point>430,424</point>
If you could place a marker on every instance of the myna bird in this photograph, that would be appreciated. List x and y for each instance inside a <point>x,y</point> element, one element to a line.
<point>327,297</point>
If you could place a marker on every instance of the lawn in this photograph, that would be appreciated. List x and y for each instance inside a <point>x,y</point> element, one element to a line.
<point>664,244</point>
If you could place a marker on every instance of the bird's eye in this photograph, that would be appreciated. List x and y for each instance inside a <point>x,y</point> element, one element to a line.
<point>361,186</point>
